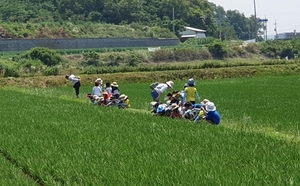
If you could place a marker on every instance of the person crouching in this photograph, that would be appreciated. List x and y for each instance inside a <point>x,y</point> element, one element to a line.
<point>124,101</point>
<point>175,112</point>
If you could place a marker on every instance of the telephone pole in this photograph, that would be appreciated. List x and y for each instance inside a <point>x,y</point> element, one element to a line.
<point>255,25</point>
<point>173,21</point>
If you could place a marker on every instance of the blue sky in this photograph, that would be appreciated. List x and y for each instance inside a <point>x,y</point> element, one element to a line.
<point>286,13</point>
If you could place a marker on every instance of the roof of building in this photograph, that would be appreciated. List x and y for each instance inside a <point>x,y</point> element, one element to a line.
<point>189,35</point>
<point>194,29</point>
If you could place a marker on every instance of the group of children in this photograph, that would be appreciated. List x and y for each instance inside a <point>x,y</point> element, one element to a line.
<point>182,104</point>
<point>178,104</point>
<point>108,96</point>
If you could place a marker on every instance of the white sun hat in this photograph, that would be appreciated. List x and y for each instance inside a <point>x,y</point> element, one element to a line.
<point>210,106</point>
<point>99,80</point>
<point>114,84</point>
<point>170,84</point>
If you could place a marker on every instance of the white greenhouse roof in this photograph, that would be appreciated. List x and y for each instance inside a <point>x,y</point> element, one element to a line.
<point>194,29</point>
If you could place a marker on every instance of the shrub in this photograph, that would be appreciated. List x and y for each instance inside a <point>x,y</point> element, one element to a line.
<point>31,66</point>
<point>132,59</point>
<point>51,71</point>
<point>204,54</point>
<point>2,67</point>
<point>91,58</point>
<point>237,51</point>
<point>163,55</point>
<point>280,48</point>
<point>252,48</point>
<point>185,54</point>
<point>190,54</point>
<point>45,55</point>
<point>94,16</point>
<point>218,49</point>
<point>10,72</point>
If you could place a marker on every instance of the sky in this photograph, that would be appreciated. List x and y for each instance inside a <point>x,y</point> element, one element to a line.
<point>286,13</point>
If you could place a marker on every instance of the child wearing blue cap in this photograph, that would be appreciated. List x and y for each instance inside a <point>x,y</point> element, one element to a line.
<point>190,92</point>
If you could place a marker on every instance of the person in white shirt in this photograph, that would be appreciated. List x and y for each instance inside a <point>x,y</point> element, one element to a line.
<point>161,88</point>
<point>108,88</point>
<point>97,89</point>
<point>76,82</point>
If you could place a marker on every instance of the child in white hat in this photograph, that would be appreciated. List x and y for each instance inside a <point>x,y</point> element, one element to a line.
<point>115,90</point>
<point>212,115</point>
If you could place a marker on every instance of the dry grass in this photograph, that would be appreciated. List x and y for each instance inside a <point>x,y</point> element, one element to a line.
<point>210,73</point>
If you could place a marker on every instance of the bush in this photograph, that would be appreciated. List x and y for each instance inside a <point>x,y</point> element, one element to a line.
<point>237,51</point>
<point>10,72</point>
<point>2,67</point>
<point>30,66</point>
<point>51,71</point>
<point>132,59</point>
<point>91,58</point>
<point>218,49</point>
<point>204,54</point>
<point>185,54</point>
<point>281,48</point>
<point>45,55</point>
<point>190,54</point>
<point>252,48</point>
<point>163,55</point>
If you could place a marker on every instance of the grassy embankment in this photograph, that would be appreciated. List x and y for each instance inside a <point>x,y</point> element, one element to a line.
<point>148,72</point>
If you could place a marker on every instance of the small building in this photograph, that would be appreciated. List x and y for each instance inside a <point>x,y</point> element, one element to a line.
<point>191,32</point>
<point>288,35</point>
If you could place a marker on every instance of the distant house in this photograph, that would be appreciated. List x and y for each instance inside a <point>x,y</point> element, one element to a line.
<point>191,32</point>
<point>288,35</point>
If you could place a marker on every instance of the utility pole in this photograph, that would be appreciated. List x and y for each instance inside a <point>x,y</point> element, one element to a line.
<point>173,21</point>
<point>275,29</point>
<point>266,24</point>
<point>255,29</point>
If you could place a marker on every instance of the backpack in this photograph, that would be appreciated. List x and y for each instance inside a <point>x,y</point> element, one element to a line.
<point>153,85</point>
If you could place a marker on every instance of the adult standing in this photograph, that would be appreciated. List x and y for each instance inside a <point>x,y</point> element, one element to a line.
<point>161,88</point>
<point>76,82</point>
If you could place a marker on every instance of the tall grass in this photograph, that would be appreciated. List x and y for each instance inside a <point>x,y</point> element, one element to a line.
<point>61,140</point>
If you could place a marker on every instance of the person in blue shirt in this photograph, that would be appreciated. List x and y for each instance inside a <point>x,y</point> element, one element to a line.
<point>212,115</point>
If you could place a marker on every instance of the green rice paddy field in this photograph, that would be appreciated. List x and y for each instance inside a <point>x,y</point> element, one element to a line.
<point>49,137</point>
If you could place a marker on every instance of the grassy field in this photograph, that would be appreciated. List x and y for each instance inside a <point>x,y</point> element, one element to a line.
<point>51,138</point>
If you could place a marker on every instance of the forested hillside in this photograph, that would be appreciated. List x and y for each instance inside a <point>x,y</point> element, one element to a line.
<point>140,14</point>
